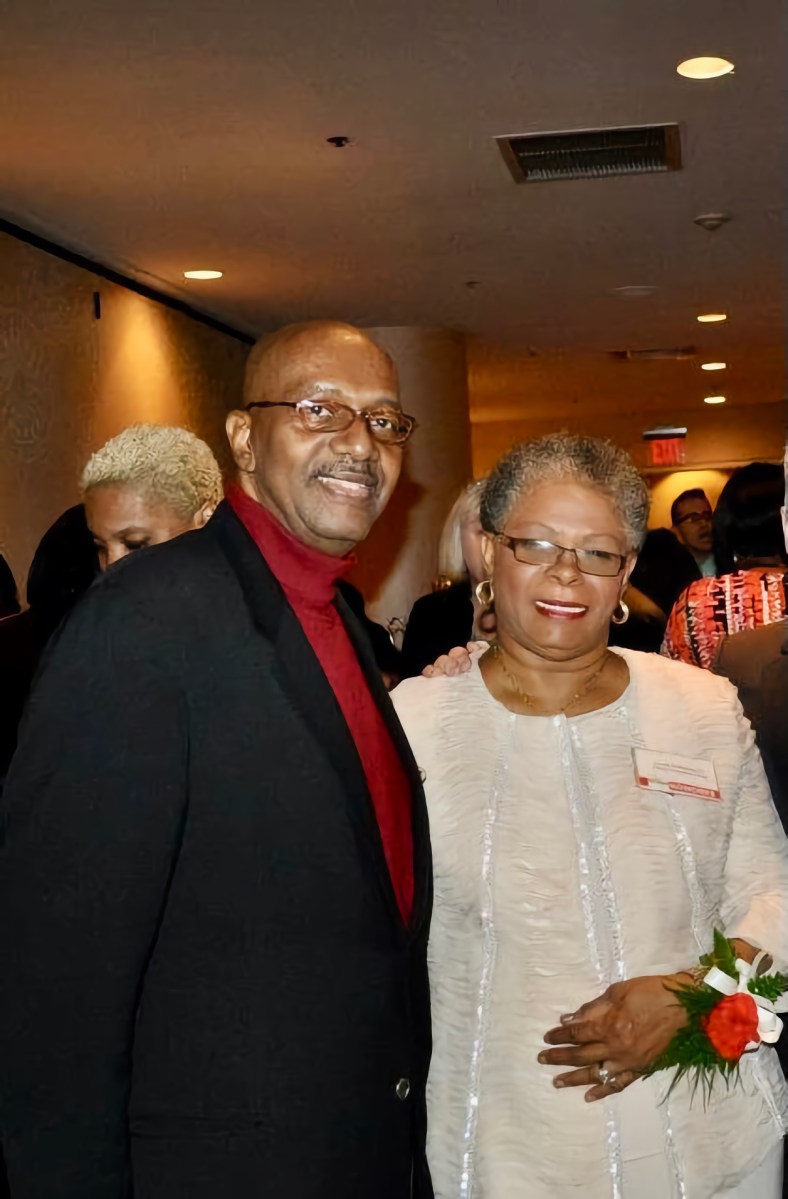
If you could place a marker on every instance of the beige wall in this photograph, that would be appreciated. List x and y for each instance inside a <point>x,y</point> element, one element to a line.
<point>718,437</point>
<point>398,562</point>
<point>69,381</point>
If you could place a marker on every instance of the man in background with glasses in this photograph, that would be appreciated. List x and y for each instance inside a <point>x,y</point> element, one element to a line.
<point>690,516</point>
<point>216,846</point>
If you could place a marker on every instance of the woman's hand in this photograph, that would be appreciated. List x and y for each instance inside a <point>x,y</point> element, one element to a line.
<point>613,1039</point>
<point>457,661</point>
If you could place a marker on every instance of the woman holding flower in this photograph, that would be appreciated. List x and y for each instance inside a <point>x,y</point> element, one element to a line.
<point>595,816</point>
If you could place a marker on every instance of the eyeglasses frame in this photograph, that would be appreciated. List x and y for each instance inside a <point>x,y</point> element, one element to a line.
<point>512,542</point>
<point>364,414</point>
<point>696,518</point>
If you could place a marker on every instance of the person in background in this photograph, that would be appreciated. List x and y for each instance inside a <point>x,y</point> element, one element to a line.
<point>453,613</point>
<point>663,569</point>
<point>558,876</point>
<point>215,842</point>
<point>690,516</point>
<point>9,599</point>
<point>757,662</point>
<point>749,542</point>
<point>63,567</point>
<point>146,485</point>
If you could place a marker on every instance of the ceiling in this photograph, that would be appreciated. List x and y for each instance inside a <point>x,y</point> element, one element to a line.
<point>166,135</point>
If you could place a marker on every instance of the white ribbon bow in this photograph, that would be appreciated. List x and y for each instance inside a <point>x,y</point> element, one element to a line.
<point>769,1023</point>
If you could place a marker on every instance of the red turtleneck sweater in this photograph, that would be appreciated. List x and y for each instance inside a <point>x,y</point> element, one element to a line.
<point>308,578</point>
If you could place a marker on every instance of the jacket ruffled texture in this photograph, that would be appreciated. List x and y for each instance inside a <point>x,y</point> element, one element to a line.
<point>556,875</point>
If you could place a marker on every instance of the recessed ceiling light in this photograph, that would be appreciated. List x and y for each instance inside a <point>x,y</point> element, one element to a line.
<point>704,67</point>
<point>712,318</point>
<point>203,274</point>
<point>713,366</point>
<point>714,399</point>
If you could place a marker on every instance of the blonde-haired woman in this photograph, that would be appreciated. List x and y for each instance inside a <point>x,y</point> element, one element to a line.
<point>452,613</point>
<point>147,485</point>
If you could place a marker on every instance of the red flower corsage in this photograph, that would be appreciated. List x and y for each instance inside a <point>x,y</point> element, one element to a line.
<point>729,1012</point>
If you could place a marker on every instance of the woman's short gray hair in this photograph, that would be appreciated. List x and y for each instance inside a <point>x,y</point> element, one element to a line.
<point>565,457</point>
<point>167,464</point>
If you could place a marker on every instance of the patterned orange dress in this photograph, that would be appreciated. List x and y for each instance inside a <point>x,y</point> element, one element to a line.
<point>710,609</point>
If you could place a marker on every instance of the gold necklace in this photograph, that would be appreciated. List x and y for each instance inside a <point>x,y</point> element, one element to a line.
<point>529,701</point>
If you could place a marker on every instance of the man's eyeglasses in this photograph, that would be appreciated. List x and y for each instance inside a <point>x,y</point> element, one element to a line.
<point>534,552</point>
<point>389,426</point>
<point>695,518</point>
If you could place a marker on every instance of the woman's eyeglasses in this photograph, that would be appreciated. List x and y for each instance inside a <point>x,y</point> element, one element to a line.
<point>389,426</point>
<point>535,552</point>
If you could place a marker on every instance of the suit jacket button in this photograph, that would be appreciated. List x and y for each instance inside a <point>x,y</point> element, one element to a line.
<point>403,1088</point>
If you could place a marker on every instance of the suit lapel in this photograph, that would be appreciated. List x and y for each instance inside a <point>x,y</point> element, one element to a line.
<point>301,677</point>
<point>422,858</point>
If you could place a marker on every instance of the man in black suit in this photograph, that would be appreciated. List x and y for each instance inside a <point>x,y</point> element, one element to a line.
<point>215,877</point>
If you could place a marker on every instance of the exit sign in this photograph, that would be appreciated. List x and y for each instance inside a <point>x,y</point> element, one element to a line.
<point>667,451</point>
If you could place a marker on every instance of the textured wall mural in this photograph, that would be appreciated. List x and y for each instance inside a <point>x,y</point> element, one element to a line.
<point>68,381</point>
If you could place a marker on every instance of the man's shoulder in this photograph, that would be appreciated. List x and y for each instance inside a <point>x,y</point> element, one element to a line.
<point>743,656</point>
<point>166,590</point>
<point>161,574</point>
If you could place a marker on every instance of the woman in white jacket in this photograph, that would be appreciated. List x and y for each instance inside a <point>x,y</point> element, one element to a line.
<point>562,879</point>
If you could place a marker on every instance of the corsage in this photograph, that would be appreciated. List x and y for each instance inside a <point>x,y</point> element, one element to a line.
<point>731,1010</point>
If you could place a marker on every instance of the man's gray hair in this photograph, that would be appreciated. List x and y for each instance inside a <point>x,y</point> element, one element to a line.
<point>168,465</point>
<point>564,457</point>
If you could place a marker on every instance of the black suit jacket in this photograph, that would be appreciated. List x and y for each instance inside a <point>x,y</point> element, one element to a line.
<point>207,990</point>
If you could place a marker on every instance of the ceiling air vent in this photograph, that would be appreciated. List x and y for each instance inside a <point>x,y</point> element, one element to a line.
<point>592,153</point>
<point>674,354</point>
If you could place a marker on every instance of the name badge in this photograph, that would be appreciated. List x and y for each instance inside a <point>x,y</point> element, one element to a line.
<point>676,774</point>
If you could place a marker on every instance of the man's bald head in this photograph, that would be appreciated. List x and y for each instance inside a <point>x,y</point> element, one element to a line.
<point>326,487</point>
<point>275,350</point>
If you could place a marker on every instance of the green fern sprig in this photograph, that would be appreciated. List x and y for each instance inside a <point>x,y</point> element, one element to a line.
<point>723,955</point>
<point>769,986</point>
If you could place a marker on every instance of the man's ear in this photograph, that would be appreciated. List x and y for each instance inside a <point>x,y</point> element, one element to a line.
<point>239,435</point>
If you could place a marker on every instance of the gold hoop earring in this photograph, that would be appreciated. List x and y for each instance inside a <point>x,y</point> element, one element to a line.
<point>621,613</point>
<point>485,593</point>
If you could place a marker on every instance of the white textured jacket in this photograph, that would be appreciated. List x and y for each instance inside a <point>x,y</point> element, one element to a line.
<point>556,874</point>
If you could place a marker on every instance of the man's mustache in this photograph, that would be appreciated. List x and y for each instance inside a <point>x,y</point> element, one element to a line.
<point>349,469</point>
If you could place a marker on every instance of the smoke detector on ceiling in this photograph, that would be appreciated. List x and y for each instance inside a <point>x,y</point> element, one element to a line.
<point>711,221</point>
<point>591,153</point>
